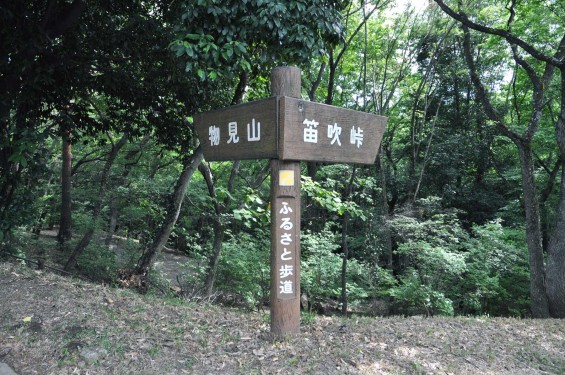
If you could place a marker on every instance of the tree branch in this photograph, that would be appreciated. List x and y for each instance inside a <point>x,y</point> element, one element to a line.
<point>508,36</point>
<point>482,93</point>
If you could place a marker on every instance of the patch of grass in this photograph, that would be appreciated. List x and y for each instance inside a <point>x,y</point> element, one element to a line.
<point>293,361</point>
<point>153,351</point>
<point>307,318</point>
<point>543,361</point>
<point>490,356</point>
<point>417,368</point>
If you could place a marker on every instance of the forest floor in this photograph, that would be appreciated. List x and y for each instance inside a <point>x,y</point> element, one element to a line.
<point>51,324</point>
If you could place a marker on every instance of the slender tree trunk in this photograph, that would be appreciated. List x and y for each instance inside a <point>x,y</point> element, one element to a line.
<point>43,212</point>
<point>345,246</point>
<point>386,233</point>
<point>174,207</point>
<point>218,231</point>
<point>113,220</point>
<point>218,227</point>
<point>240,89</point>
<point>316,83</point>
<point>545,194</point>
<point>539,302</point>
<point>87,237</point>
<point>65,222</point>
<point>214,258</point>
<point>538,297</point>
<point>114,201</point>
<point>331,79</point>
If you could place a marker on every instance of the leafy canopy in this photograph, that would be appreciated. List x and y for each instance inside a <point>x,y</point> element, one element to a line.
<point>219,38</point>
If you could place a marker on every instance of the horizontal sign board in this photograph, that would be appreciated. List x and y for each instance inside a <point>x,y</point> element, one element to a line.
<point>241,132</point>
<point>304,131</point>
<point>313,131</point>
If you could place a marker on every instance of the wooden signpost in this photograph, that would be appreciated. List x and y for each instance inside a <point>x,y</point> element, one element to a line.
<point>241,132</point>
<point>288,130</point>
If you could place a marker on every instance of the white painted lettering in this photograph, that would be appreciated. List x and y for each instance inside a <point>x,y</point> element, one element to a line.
<point>286,287</point>
<point>286,271</point>
<point>214,135</point>
<point>334,131</point>
<point>310,132</point>
<point>232,132</point>
<point>286,255</point>
<point>254,131</point>
<point>285,208</point>
<point>356,136</point>
<point>286,223</point>
<point>286,239</point>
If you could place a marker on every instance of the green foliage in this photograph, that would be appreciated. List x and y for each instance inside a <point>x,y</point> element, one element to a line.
<point>99,263</point>
<point>254,213</point>
<point>244,267</point>
<point>413,296</point>
<point>18,245</point>
<point>330,199</point>
<point>116,71</point>
<point>498,277</point>
<point>222,39</point>
<point>23,155</point>
<point>432,247</point>
<point>320,276</point>
<point>451,271</point>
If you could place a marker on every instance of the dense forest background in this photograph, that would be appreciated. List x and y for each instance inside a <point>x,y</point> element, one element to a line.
<point>463,211</point>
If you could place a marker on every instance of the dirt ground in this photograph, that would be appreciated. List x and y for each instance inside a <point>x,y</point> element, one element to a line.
<point>50,324</point>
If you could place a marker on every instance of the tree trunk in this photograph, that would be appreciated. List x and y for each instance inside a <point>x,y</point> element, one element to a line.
<point>556,259</point>
<point>385,217</point>
<point>85,241</point>
<point>218,227</point>
<point>174,207</point>
<point>538,297</point>
<point>539,302</point>
<point>114,201</point>
<point>113,220</point>
<point>345,249</point>
<point>345,246</point>
<point>214,258</point>
<point>65,222</point>
<point>331,79</point>
<point>556,250</point>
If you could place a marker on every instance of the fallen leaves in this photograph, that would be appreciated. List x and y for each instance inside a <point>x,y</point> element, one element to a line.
<point>144,334</point>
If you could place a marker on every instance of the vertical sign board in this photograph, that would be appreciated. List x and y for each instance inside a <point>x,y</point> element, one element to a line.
<point>313,131</point>
<point>285,248</point>
<point>241,132</point>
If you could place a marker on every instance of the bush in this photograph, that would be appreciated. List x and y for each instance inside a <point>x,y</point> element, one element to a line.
<point>412,297</point>
<point>244,267</point>
<point>433,246</point>
<point>449,270</point>
<point>497,281</point>
<point>98,262</point>
<point>321,270</point>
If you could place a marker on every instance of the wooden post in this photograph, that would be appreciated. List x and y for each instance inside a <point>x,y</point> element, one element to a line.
<point>285,224</point>
<point>288,129</point>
